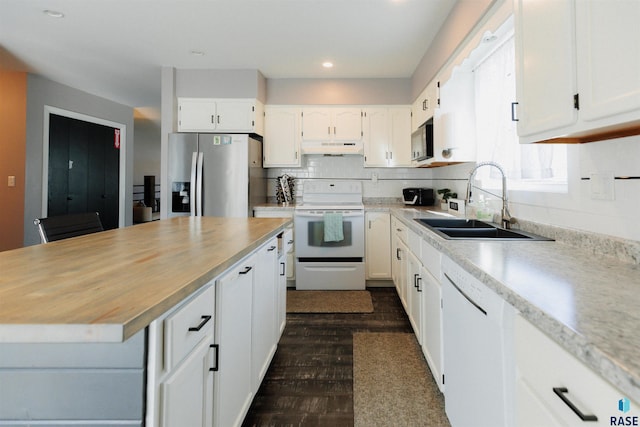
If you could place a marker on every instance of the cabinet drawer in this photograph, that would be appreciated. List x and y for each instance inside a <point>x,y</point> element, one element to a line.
<point>399,229</point>
<point>543,365</point>
<point>431,258</point>
<point>413,241</point>
<point>185,328</point>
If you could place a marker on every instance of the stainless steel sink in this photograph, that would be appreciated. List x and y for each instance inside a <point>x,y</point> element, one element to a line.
<point>463,229</point>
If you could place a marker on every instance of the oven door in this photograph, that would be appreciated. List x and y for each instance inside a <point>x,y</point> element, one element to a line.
<point>309,235</point>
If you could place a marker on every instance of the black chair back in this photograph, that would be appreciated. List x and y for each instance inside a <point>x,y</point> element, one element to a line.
<point>65,226</point>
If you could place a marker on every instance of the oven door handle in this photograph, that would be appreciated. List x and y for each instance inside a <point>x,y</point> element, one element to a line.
<point>318,215</point>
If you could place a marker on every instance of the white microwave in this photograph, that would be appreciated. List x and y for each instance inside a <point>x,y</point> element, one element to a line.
<point>422,142</point>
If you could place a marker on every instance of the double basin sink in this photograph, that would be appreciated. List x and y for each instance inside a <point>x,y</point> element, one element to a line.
<point>460,228</point>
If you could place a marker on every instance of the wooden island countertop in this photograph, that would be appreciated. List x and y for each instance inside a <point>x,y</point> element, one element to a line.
<point>107,286</point>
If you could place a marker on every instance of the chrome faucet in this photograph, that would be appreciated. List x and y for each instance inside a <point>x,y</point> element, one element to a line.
<point>506,218</point>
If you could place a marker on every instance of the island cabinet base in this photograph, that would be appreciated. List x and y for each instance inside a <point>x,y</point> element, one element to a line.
<point>96,384</point>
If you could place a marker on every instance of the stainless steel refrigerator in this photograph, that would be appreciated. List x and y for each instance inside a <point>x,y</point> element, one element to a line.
<point>215,174</point>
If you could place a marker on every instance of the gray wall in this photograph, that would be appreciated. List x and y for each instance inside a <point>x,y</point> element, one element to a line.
<point>220,84</point>
<point>147,148</point>
<point>339,91</point>
<point>41,92</point>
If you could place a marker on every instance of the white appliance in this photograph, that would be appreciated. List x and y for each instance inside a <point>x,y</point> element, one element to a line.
<point>335,263</point>
<point>215,174</point>
<point>477,327</point>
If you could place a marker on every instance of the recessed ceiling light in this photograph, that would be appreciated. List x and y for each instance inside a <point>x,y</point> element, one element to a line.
<point>196,53</point>
<point>327,64</point>
<point>53,13</point>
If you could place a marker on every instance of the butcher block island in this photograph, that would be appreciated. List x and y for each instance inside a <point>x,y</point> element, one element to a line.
<point>127,326</point>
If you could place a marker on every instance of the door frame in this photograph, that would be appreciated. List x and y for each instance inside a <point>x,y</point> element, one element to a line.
<point>48,110</point>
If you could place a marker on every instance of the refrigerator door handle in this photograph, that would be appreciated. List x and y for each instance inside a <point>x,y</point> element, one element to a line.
<point>200,184</point>
<point>194,183</point>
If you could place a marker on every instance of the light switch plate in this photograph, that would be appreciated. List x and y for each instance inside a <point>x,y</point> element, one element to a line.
<point>602,186</point>
<point>11,181</point>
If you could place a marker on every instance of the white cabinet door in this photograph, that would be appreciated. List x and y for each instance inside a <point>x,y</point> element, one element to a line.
<point>235,115</point>
<point>432,325</point>
<point>415,287</point>
<point>287,247</point>
<point>282,137</point>
<point>316,124</point>
<point>216,115</point>
<point>608,54</point>
<point>545,64</point>
<point>400,143</point>
<point>387,136</point>
<point>331,124</point>
<point>425,105</point>
<point>233,383</point>
<point>542,366</point>
<point>378,245</point>
<point>347,124</point>
<point>187,394</point>
<point>376,136</point>
<point>196,115</point>
<point>264,336</point>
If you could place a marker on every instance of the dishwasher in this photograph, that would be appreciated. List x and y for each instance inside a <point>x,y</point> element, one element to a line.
<point>478,362</point>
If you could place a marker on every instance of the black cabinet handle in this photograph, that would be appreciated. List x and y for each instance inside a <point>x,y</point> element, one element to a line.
<point>560,391</point>
<point>216,350</point>
<point>283,269</point>
<point>271,248</point>
<point>419,280</point>
<point>290,241</point>
<point>204,321</point>
<point>246,270</point>
<point>415,280</point>
<point>513,112</point>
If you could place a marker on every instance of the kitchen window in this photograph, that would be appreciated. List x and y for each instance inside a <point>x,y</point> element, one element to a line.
<point>529,167</point>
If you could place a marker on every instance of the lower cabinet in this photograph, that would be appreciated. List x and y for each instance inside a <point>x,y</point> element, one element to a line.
<point>181,363</point>
<point>432,312</point>
<point>549,380</point>
<point>264,330</point>
<point>415,286</point>
<point>187,394</point>
<point>233,384</point>
<point>378,245</point>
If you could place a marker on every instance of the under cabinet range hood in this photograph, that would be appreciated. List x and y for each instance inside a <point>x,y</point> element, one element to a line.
<point>332,147</point>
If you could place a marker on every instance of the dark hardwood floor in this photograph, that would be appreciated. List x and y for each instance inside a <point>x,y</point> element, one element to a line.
<point>310,380</point>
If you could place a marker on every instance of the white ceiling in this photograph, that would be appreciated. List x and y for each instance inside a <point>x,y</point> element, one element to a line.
<point>116,48</point>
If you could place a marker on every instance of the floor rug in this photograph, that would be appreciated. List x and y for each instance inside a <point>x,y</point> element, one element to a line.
<point>392,384</point>
<point>329,302</point>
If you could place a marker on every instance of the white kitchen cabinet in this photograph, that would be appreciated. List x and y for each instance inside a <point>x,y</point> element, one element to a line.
<point>219,115</point>
<point>399,260</point>
<point>425,105</point>
<point>432,311</point>
<point>387,136</point>
<point>454,138</point>
<point>181,363</point>
<point>331,124</point>
<point>378,245</point>
<point>286,242</point>
<point>415,288</point>
<point>265,325</point>
<point>187,394</point>
<point>233,382</point>
<point>282,134</point>
<point>545,372</point>
<point>577,68</point>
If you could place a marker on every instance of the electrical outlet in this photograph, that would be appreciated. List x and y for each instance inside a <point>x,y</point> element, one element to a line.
<point>602,186</point>
<point>11,181</point>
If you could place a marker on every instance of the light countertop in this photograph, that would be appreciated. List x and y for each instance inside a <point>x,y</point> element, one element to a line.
<point>588,304</point>
<point>107,286</point>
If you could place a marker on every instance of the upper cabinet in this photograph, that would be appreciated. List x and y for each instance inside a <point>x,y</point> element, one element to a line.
<point>387,136</point>
<point>577,70</point>
<point>220,115</point>
<point>331,124</point>
<point>425,105</point>
<point>282,134</point>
